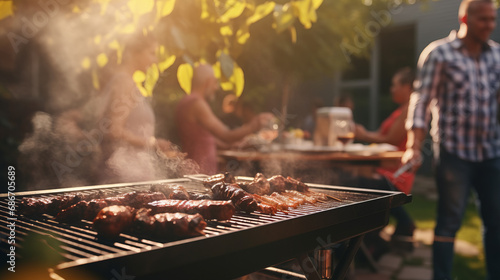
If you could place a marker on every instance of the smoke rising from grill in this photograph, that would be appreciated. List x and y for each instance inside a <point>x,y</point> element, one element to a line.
<point>64,148</point>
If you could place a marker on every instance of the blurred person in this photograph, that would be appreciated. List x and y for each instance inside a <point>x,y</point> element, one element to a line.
<point>458,81</point>
<point>129,148</point>
<point>392,131</point>
<point>200,130</point>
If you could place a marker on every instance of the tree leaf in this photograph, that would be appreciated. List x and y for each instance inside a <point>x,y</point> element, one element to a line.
<point>316,3</point>
<point>227,86</point>
<point>140,7</point>
<point>6,9</point>
<point>293,34</point>
<point>163,65</point>
<point>166,7</point>
<point>102,59</point>
<point>86,63</point>
<point>261,11</point>
<point>283,18</point>
<point>301,10</point>
<point>139,77</point>
<point>152,76</point>
<point>185,76</point>
<point>238,80</point>
<point>235,10</point>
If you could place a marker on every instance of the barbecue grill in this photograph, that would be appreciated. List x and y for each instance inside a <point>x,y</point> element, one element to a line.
<point>248,242</point>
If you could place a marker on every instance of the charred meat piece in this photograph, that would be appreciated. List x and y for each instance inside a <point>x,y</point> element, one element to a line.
<point>178,224</point>
<point>209,209</point>
<point>73,213</point>
<point>113,220</point>
<point>277,184</point>
<point>199,196</point>
<point>89,209</point>
<point>171,191</point>
<point>36,206</point>
<point>259,185</point>
<point>144,220</point>
<point>219,178</point>
<point>179,192</point>
<point>139,199</point>
<point>294,184</point>
<point>168,224</point>
<point>241,199</point>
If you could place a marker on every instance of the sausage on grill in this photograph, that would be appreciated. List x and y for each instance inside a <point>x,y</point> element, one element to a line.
<point>89,209</point>
<point>113,220</point>
<point>209,209</point>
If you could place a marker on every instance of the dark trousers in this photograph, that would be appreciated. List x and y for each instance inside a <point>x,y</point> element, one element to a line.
<point>455,179</point>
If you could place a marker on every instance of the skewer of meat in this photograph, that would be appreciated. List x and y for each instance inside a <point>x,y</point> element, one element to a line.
<point>209,209</point>
<point>36,206</point>
<point>278,204</point>
<point>88,209</point>
<point>259,185</point>
<point>241,199</point>
<point>178,192</point>
<point>113,220</point>
<point>307,199</point>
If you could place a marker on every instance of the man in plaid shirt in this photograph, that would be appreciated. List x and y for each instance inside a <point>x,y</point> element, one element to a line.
<point>458,82</point>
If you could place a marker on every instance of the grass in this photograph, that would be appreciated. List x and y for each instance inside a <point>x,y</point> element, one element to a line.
<point>423,211</point>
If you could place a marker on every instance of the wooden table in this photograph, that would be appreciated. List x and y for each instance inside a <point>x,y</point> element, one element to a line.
<point>318,167</point>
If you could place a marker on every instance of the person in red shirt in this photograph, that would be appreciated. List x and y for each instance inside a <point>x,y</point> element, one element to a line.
<point>392,131</point>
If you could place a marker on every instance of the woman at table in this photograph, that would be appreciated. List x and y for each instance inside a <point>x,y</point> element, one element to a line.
<point>392,131</point>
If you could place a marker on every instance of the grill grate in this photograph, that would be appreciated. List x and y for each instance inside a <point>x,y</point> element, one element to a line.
<point>78,242</point>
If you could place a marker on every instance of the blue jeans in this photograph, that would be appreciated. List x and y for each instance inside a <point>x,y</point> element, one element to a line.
<point>455,178</point>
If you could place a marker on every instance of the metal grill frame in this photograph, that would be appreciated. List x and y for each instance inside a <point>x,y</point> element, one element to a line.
<point>232,252</point>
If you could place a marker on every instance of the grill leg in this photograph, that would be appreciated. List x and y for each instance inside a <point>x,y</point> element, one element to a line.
<point>308,267</point>
<point>344,263</point>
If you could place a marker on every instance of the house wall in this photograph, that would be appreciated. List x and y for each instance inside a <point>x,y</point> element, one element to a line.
<point>433,20</point>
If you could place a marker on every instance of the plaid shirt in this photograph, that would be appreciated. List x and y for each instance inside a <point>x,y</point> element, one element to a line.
<point>462,94</point>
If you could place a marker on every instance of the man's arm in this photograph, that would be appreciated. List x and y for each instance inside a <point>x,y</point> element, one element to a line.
<point>426,87</point>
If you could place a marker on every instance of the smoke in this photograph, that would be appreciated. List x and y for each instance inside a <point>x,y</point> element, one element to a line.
<point>66,146</point>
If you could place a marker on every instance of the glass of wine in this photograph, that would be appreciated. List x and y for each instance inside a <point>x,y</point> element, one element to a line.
<point>269,132</point>
<point>344,129</point>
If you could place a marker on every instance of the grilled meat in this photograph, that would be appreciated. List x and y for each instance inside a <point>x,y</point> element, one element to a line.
<point>277,183</point>
<point>259,185</point>
<point>89,209</point>
<point>209,209</point>
<point>171,191</point>
<point>294,184</point>
<point>241,199</point>
<point>36,206</point>
<point>178,192</point>
<point>113,220</point>
<point>219,178</point>
<point>178,224</point>
<point>199,196</point>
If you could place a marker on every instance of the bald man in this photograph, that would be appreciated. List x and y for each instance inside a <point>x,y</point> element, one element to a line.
<point>198,127</point>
